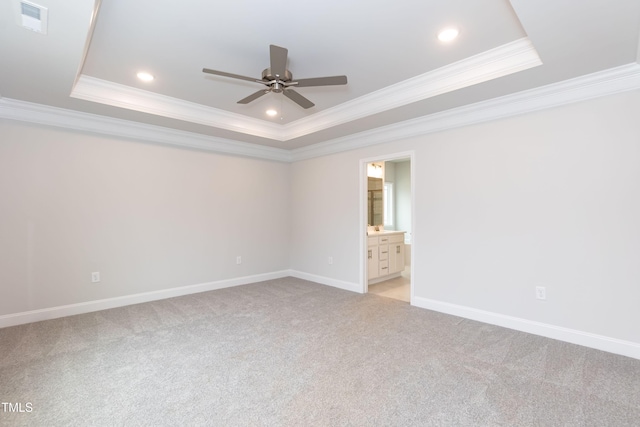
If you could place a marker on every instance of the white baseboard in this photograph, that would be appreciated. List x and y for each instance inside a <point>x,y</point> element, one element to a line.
<point>384,278</point>
<point>347,286</point>
<point>599,342</point>
<point>104,304</point>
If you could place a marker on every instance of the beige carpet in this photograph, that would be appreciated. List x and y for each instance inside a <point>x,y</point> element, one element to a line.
<point>294,353</point>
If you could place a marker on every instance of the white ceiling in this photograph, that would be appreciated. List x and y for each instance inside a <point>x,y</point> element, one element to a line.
<point>397,68</point>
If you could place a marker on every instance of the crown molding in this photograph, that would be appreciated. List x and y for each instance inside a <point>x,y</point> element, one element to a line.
<point>104,92</point>
<point>503,60</point>
<point>608,82</point>
<point>62,118</point>
<point>498,62</point>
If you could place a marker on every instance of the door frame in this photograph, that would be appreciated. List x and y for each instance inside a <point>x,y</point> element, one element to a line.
<point>364,280</point>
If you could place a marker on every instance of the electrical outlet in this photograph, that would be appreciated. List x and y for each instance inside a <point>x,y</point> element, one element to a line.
<point>330,260</point>
<point>238,260</point>
<point>95,277</point>
<point>541,292</point>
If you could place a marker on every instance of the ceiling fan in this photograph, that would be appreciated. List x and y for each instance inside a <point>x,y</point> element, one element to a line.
<point>278,79</point>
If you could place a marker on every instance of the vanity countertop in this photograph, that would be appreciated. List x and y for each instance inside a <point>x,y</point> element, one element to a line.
<point>384,232</point>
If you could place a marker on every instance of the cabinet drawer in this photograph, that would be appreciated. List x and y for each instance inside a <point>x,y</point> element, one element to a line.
<point>383,240</point>
<point>396,238</point>
<point>384,267</point>
<point>372,241</point>
<point>383,252</point>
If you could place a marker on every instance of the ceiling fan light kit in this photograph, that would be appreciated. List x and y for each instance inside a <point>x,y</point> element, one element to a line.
<point>278,79</point>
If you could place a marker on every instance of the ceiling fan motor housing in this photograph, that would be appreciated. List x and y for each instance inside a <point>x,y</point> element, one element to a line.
<point>276,81</point>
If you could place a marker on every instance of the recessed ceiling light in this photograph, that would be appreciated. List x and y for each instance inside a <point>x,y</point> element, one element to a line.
<point>145,77</point>
<point>271,113</point>
<point>448,34</point>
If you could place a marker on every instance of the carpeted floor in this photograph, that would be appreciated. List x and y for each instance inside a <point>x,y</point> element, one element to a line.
<point>294,353</point>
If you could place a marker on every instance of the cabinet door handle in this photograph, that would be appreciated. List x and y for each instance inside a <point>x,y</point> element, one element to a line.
<point>398,249</point>
<point>370,254</point>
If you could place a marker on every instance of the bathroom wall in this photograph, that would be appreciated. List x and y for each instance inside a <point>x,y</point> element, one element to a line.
<point>402,194</point>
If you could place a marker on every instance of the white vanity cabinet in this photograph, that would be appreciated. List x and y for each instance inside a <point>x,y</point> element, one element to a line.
<point>396,253</point>
<point>373,262</point>
<point>385,255</point>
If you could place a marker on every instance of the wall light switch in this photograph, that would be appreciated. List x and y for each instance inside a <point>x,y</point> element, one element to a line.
<point>95,277</point>
<point>238,259</point>
<point>541,292</point>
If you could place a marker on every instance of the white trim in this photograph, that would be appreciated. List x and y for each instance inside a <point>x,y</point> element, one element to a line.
<point>383,278</point>
<point>340,284</point>
<point>615,80</point>
<point>117,95</point>
<point>97,4</point>
<point>85,122</point>
<point>599,342</point>
<point>363,224</point>
<point>503,60</point>
<point>104,304</point>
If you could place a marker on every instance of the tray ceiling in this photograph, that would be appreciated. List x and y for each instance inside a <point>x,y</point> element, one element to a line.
<point>397,68</point>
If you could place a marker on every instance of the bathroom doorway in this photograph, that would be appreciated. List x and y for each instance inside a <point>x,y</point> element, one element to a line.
<point>387,225</point>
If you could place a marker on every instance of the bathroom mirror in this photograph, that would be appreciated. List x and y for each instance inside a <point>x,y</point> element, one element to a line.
<point>375,204</point>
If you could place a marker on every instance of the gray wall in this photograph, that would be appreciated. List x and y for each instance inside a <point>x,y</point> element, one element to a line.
<point>148,217</point>
<point>550,198</point>
<point>324,211</point>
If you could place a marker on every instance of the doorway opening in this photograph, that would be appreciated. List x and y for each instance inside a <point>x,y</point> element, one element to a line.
<point>387,225</point>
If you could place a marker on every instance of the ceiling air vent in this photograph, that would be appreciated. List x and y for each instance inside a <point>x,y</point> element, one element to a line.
<point>33,16</point>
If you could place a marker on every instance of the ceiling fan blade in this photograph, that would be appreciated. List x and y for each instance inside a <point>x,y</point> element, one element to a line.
<point>278,60</point>
<point>297,98</point>
<point>253,96</point>
<point>321,81</point>
<point>233,76</point>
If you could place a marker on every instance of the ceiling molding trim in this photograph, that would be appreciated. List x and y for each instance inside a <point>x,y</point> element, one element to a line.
<point>104,92</point>
<point>608,82</point>
<point>62,118</point>
<point>498,62</point>
<point>638,54</point>
<point>615,80</point>
<point>503,60</point>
